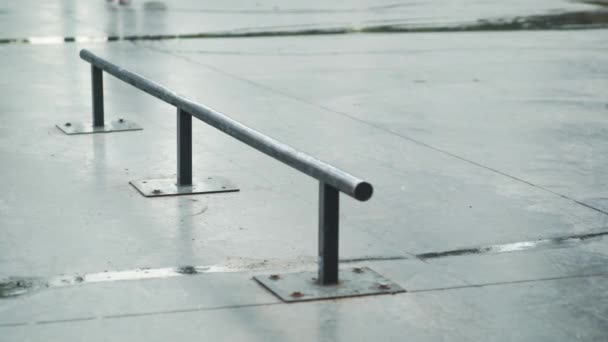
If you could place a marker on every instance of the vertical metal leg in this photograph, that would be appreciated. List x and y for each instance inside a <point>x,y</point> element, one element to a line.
<point>184,148</point>
<point>97,86</point>
<point>329,222</point>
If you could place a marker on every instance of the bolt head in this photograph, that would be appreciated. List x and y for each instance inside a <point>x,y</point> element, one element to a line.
<point>274,277</point>
<point>156,191</point>
<point>297,294</point>
<point>67,124</point>
<point>121,120</point>
<point>357,270</point>
<point>384,286</point>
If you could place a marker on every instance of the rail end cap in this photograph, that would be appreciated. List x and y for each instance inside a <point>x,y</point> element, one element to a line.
<point>364,191</point>
<point>84,52</point>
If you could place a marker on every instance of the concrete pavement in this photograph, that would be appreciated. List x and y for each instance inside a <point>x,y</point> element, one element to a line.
<point>486,150</point>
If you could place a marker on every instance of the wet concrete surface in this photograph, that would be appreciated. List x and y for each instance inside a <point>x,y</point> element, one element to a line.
<point>493,85</point>
<point>485,149</point>
<point>72,21</point>
<point>467,298</point>
<point>13,287</point>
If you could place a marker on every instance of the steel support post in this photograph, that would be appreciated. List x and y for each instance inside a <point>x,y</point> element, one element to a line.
<point>97,86</point>
<point>329,222</point>
<point>184,148</point>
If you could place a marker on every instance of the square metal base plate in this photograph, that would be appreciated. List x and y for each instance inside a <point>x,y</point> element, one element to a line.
<point>119,125</point>
<point>168,187</point>
<point>303,286</point>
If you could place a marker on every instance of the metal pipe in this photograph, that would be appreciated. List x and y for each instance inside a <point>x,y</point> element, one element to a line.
<point>97,86</point>
<point>313,167</point>
<point>184,148</point>
<point>329,234</point>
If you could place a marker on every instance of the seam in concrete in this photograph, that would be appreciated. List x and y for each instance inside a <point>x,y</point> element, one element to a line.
<point>15,287</point>
<point>136,314</point>
<point>232,307</point>
<point>560,241</point>
<point>513,282</point>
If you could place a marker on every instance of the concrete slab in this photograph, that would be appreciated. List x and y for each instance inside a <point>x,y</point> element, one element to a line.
<point>536,114</point>
<point>473,314</point>
<point>438,199</point>
<point>520,295</point>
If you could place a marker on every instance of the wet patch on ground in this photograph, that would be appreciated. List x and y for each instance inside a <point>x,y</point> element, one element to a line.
<point>557,242</point>
<point>187,270</point>
<point>13,287</point>
<point>276,9</point>
<point>580,20</point>
<point>155,6</point>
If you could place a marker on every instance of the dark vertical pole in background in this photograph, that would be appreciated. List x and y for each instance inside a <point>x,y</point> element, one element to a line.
<point>329,223</point>
<point>97,86</point>
<point>184,148</point>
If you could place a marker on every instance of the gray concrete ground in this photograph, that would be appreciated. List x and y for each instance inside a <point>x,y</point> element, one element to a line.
<point>486,149</point>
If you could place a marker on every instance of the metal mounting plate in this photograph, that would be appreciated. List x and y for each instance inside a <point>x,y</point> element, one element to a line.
<point>119,125</point>
<point>169,187</point>
<point>302,286</point>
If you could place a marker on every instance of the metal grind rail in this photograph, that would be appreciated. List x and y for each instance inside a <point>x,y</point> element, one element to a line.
<point>332,180</point>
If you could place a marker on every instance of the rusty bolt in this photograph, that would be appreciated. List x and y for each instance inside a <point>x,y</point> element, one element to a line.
<point>274,277</point>
<point>156,191</point>
<point>297,294</point>
<point>384,286</point>
<point>358,270</point>
<point>67,124</point>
